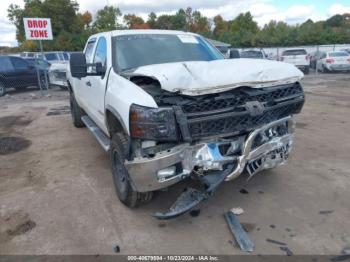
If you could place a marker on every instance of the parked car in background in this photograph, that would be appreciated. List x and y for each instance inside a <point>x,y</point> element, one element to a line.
<point>27,54</point>
<point>57,72</point>
<point>346,50</point>
<point>39,63</point>
<point>54,56</point>
<point>334,61</point>
<point>43,65</point>
<point>58,75</point>
<point>314,57</point>
<point>234,53</point>
<point>255,54</point>
<point>18,73</point>
<point>297,57</point>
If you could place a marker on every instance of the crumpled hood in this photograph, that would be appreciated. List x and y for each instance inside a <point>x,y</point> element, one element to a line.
<point>196,78</point>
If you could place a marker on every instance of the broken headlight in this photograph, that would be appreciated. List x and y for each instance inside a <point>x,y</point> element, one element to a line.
<point>153,123</point>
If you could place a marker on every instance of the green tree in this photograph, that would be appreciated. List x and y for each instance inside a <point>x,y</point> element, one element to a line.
<point>243,29</point>
<point>107,19</point>
<point>152,20</point>
<point>65,21</point>
<point>135,22</point>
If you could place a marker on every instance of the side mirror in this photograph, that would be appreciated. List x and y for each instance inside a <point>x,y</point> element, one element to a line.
<point>78,66</point>
<point>100,70</point>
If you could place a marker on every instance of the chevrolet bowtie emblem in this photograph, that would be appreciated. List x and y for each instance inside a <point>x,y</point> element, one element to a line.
<point>254,108</point>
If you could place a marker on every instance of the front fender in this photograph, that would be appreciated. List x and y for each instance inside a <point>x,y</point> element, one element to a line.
<point>121,94</point>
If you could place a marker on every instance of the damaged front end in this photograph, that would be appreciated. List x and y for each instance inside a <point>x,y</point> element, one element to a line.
<point>213,163</point>
<point>218,137</point>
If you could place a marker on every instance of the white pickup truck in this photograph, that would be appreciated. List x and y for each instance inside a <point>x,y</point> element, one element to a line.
<point>167,106</point>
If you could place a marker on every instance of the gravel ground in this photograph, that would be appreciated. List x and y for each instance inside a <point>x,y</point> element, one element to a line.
<point>57,195</point>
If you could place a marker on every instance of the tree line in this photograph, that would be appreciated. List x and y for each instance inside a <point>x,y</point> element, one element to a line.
<point>72,28</point>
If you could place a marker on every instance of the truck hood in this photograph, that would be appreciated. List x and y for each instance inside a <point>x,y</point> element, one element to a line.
<point>205,77</point>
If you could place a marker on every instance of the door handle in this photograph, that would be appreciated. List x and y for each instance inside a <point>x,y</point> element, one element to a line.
<point>88,83</point>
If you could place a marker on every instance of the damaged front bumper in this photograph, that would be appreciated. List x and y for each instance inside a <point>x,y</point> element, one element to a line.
<point>265,147</point>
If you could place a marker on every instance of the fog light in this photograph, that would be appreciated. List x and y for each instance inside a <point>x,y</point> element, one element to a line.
<point>166,173</point>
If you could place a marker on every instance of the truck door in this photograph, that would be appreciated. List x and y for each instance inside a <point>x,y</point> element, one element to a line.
<point>81,88</point>
<point>97,84</point>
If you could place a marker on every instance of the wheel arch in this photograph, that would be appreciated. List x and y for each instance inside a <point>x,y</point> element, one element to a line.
<point>114,122</point>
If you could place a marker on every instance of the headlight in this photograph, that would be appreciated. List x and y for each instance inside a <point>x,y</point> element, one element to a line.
<point>153,123</point>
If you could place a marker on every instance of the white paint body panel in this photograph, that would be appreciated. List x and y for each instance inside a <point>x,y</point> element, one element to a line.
<point>196,78</point>
<point>190,78</point>
<point>121,94</point>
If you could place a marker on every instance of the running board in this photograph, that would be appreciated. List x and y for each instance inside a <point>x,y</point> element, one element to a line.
<point>97,132</point>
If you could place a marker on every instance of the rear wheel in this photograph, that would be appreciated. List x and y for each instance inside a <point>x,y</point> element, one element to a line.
<point>76,112</point>
<point>306,70</point>
<point>125,192</point>
<point>2,89</point>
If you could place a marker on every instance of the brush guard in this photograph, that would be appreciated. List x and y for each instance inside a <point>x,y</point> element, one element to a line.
<point>272,150</point>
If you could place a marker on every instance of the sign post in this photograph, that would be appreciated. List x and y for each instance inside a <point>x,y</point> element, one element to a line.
<point>38,29</point>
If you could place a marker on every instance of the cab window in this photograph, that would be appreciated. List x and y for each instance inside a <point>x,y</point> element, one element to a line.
<point>101,52</point>
<point>89,49</point>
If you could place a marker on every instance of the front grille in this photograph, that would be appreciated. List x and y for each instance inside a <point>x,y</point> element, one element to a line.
<point>226,113</point>
<point>229,125</point>
<point>240,96</point>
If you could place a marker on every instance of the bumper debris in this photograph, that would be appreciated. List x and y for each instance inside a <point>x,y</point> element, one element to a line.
<point>191,197</point>
<point>237,230</point>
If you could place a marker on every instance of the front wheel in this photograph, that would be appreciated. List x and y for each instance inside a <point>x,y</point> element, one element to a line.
<point>127,195</point>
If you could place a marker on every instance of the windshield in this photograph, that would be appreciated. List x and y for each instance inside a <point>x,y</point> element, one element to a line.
<point>132,51</point>
<point>338,54</point>
<point>252,54</point>
<point>294,52</point>
<point>51,56</point>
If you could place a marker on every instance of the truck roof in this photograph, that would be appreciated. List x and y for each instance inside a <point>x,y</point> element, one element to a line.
<point>141,31</point>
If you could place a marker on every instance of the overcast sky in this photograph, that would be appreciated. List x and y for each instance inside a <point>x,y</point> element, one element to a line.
<point>290,11</point>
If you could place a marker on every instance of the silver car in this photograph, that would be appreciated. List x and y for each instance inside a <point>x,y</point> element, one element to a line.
<point>334,61</point>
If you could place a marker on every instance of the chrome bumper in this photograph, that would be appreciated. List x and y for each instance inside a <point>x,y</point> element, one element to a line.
<point>143,171</point>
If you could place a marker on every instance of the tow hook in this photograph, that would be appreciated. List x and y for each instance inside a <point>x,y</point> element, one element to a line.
<point>191,197</point>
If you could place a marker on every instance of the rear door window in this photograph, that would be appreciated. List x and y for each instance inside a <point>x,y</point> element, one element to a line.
<point>252,54</point>
<point>338,54</point>
<point>294,52</point>
<point>19,64</point>
<point>5,64</point>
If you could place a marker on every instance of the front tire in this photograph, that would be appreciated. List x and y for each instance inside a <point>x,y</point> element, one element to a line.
<point>127,195</point>
<point>76,112</point>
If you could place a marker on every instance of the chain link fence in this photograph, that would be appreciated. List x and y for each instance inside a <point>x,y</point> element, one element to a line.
<point>275,52</point>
